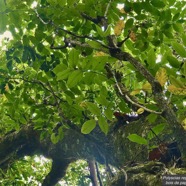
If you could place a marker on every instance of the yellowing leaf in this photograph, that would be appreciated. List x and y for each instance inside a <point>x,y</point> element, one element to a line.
<point>134,92</point>
<point>140,111</point>
<point>119,27</point>
<point>123,11</point>
<point>161,76</point>
<point>184,123</point>
<point>132,36</point>
<point>83,104</point>
<point>177,90</point>
<point>99,53</point>
<point>7,88</point>
<point>147,87</point>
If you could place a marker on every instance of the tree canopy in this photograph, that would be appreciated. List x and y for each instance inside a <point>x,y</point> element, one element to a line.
<point>92,80</point>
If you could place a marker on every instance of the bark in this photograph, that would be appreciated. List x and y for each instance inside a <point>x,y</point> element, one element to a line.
<point>27,142</point>
<point>114,149</point>
<point>93,174</point>
<point>57,172</point>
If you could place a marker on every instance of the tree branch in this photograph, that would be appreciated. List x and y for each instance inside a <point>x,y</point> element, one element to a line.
<point>107,8</point>
<point>93,173</point>
<point>57,172</point>
<point>124,92</point>
<point>159,97</point>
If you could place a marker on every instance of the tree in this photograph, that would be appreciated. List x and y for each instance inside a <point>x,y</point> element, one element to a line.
<point>72,68</point>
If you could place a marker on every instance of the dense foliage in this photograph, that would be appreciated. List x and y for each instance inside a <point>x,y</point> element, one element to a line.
<point>82,61</point>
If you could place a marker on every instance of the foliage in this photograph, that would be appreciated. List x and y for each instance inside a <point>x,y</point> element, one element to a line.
<point>28,171</point>
<point>32,170</point>
<point>77,174</point>
<point>54,68</point>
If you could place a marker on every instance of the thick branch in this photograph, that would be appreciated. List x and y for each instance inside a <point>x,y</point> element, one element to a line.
<point>57,172</point>
<point>93,174</point>
<point>16,141</point>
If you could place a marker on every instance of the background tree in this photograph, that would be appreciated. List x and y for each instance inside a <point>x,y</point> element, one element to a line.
<point>72,68</point>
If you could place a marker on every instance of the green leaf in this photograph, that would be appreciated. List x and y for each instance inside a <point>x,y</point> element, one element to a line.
<point>184,39</point>
<point>102,100</point>
<point>152,118</point>
<point>137,139</point>
<point>129,23</point>
<point>103,124</point>
<point>168,33</point>
<point>158,3</point>
<point>59,68</point>
<point>3,15</point>
<point>151,57</point>
<point>40,47</point>
<point>94,44</point>
<point>100,31</point>
<point>184,69</point>
<point>71,2</point>
<point>62,2</point>
<point>73,58</point>
<point>123,107</point>
<point>176,16</point>
<point>25,56</point>
<point>179,49</point>
<point>127,8</point>
<point>93,108</point>
<point>54,138</point>
<point>64,74</point>
<point>3,23</point>
<point>171,2</point>
<point>2,6</point>
<point>109,114</point>
<point>173,61</point>
<point>155,131</point>
<point>178,27</point>
<point>103,33</point>
<point>88,126</point>
<point>137,8</point>
<point>107,31</point>
<point>74,78</point>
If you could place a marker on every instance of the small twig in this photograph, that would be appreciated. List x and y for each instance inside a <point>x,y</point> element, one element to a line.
<point>169,99</point>
<point>124,93</point>
<point>39,83</point>
<point>156,135</point>
<point>119,44</point>
<point>99,20</point>
<point>29,81</point>
<point>75,35</point>
<point>131,101</point>
<point>107,8</point>
<point>98,174</point>
<point>38,16</point>
<point>141,106</point>
<point>59,47</point>
<point>78,43</point>
<point>69,42</point>
<point>54,95</point>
